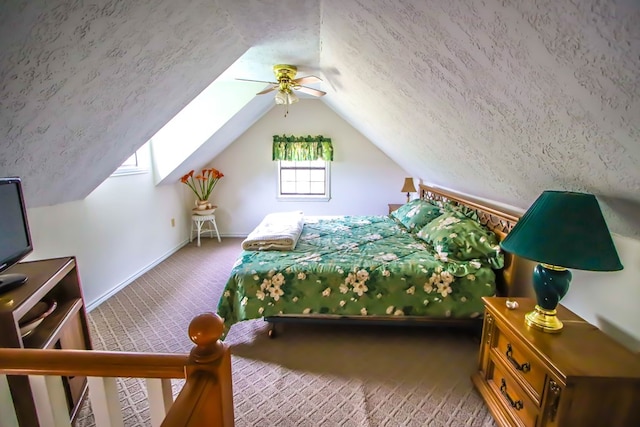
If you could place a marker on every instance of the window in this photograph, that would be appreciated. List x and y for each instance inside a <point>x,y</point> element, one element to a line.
<point>131,166</point>
<point>303,167</point>
<point>303,179</point>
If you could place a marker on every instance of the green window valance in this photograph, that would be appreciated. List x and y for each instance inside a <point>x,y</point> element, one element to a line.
<point>302,148</point>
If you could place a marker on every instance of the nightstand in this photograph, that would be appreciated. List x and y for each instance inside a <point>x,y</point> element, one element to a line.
<point>577,377</point>
<point>394,206</point>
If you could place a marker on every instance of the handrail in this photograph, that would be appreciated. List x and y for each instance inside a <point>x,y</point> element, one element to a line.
<point>91,363</point>
<point>205,400</point>
<point>198,404</point>
<point>207,396</point>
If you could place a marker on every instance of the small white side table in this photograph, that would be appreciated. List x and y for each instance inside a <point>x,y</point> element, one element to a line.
<point>199,221</point>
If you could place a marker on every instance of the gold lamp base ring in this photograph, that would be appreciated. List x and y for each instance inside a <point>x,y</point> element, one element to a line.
<point>544,320</point>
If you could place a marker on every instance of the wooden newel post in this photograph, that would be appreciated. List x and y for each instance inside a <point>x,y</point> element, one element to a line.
<point>205,330</point>
<point>211,355</point>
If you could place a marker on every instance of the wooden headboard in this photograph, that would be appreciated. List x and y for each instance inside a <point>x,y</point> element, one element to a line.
<point>514,278</point>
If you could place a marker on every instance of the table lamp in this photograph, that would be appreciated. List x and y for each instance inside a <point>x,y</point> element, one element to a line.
<point>561,230</point>
<point>408,187</point>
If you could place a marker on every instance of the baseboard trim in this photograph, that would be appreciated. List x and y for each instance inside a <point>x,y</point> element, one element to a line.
<point>241,235</point>
<point>90,306</point>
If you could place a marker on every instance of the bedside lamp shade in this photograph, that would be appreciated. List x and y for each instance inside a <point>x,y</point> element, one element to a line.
<point>561,230</point>
<point>408,187</point>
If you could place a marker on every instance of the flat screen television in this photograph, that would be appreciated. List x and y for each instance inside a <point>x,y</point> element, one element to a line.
<point>15,238</point>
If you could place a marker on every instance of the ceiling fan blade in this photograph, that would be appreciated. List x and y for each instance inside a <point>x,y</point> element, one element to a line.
<point>267,90</point>
<point>258,81</point>
<point>306,80</point>
<point>311,91</point>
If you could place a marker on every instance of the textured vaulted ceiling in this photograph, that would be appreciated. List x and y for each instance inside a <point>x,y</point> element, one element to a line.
<point>498,99</point>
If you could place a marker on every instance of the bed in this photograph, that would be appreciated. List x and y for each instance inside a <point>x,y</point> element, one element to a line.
<point>408,267</point>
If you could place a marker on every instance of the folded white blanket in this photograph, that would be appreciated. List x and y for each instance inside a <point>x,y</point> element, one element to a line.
<point>277,232</point>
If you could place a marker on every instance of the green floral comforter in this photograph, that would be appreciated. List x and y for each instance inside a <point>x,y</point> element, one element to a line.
<point>355,266</point>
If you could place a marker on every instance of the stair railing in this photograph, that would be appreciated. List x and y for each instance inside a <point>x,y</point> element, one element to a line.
<point>206,398</point>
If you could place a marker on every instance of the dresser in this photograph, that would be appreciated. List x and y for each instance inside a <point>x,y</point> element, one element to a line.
<point>66,327</point>
<point>577,377</point>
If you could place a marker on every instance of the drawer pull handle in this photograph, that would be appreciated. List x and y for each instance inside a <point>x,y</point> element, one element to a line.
<point>555,393</point>
<point>517,404</point>
<point>525,367</point>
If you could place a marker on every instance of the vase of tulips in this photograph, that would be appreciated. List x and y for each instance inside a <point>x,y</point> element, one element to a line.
<point>202,186</point>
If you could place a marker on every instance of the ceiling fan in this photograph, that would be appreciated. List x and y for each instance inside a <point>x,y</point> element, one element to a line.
<point>286,84</point>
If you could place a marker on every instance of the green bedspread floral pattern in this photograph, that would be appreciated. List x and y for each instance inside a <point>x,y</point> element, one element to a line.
<point>355,266</point>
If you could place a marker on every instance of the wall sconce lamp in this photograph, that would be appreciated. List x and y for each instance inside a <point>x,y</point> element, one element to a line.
<point>408,187</point>
<point>560,230</point>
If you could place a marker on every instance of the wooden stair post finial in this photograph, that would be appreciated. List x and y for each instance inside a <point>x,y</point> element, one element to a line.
<point>205,330</point>
<point>207,396</point>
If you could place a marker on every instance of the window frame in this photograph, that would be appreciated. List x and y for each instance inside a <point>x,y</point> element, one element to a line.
<point>300,196</point>
<point>131,169</point>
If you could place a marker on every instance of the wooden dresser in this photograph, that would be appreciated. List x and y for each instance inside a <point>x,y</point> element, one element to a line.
<point>66,328</point>
<point>578,377</point>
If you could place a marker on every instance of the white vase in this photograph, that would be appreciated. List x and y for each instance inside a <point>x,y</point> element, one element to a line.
<point>202,205</point>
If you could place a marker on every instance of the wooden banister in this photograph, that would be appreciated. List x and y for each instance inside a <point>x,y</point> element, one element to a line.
<point>207,396</point>
<point>199,403</point>
<point>15,361</point>
<point>205,400</point>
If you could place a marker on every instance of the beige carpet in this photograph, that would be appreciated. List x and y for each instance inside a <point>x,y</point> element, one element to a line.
<point>311,375</point>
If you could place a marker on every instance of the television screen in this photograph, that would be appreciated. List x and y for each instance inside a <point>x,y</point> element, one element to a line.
<point>15,240</point>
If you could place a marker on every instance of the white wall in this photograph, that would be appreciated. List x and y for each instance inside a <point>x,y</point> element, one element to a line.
<point>117,232</point>
<point>610,300</point>
<point>363,179</point>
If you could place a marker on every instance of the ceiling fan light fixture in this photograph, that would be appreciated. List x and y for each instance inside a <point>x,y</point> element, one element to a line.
<point>291,98</point>
<point>281,97</point>
<point>286,97</point>
<point>287,84</point>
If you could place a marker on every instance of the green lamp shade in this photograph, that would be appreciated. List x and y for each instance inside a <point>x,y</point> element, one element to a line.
<point>566,229</point>
<point>561,230</point>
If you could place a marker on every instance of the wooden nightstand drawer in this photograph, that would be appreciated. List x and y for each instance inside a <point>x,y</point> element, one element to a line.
<point>514,398</point>
<point>522,363</point>
<point>577,377</point>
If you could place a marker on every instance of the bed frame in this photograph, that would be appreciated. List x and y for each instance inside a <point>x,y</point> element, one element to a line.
<point>497,219</point>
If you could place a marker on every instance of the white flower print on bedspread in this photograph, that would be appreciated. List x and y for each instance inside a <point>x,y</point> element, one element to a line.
<point>441,280</point>
<point>271,287</point>
<point>356,281</point>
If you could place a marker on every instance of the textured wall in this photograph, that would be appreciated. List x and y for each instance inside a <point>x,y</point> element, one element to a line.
<point>84,84</point>
<point>495,98</point>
